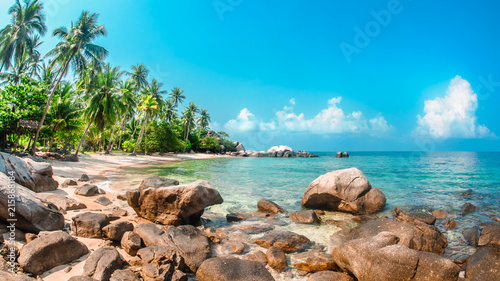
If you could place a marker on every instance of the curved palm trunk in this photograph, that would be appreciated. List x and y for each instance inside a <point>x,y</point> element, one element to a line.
<point>66,144</point>
<point>120,128</point>
<point>109,148</point>
<point>83,136</point>
<point>49,99</point>
<point>187,133</point>
<point>141,133</point>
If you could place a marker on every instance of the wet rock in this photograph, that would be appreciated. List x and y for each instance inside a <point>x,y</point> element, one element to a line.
<point>87,190</point>
<point>174,205</point>
<point>467,193</point>
<point>123,275</point>
<point>231,269</point>
<point>451,223</point>
<point>131,242</point>
<point>484,264</point>
<point>435,267</point>
<point>286,240</point>
<point>314,261</point>
<point>424,217</point>
<point>412,233</point>
<point>490,234</point>
<point>345,190</point>
<point>329,276</point>
<point>33,213</point>
<point>160,262</point>
<point>276,259</point>
<point>103,201</point>
<point>49,251</point>
<point>157,181</point>
<point>440,214</point>
<point>468,208</point>
<point>235,217</point>
<point>212,234</point>
<point>304,217</point>
<point>102,263</point>
<point>251,227</point>
<point>36,176</point>
<point>63,202</point>
<point>116,230</point>
<point>496,219</point>
<point>89,225</point>
<point>84,177</point>
<point>233,247</point>
<point>471,235</point>
<point>269,207</point>
<point>257,256</point>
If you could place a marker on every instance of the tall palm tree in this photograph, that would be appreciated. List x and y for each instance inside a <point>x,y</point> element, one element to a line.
<point>128,100</point>
<point>16,38</point>
<point>154,89</point>
<point>77,49</point>
<point>149,107</point>
<point>103,103</point>
<point>177,98</point>
<point>189,115</point>
<point>139,76</point>
<point>203,121</point>
<point>168,111</point>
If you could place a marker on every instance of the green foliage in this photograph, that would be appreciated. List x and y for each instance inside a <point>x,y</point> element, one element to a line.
<point>162,137</point>
<point>209,143</point>
<point>21,102</point>
<point>229,145</point>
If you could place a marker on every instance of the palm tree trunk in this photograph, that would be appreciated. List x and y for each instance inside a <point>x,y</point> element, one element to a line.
<point>29,143</point>
<point>110,143</point>
<point>49,99</point>
<point>83,136</point>
<point>66,144</point>
<point>140,134</point>
<point>121,125</point>
<point>120,142</point>
<point>187,133</point>
<point>50,144</point>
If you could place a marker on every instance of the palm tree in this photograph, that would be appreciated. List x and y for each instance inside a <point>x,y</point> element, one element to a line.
<point>103,103</point>
<point>168,111</point>
<point>77,49</point>
<point>128,100</point>
<point>177,98</point>
<point>17,38</point>
<point>189,115</point>
<point>139,76</point>
<point>63,112</point>
<point>154,89</point>
<point>149,107</point>
<point>203,121</point>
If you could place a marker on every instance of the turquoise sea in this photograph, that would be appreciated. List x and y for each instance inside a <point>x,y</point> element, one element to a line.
<point>410,180</point>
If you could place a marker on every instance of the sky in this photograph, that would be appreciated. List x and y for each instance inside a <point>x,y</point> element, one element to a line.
<point>319,76</point>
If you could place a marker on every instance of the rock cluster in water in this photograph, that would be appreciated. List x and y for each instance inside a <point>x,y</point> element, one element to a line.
<point>275,151</point>
<point>162,244</point>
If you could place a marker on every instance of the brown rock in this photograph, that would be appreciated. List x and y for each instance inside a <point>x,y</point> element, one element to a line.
<point>89,225</point>
<point>35,176</point>
<point>424,217</point>
<point>276,259</point>
<point>314,261</point>
<point>304,217</point>
<point>440,214</point>
<point>490,234</point>
<point>29,237</point>
<point>174,205</point>
<point>87,190</point>
<point>269,207</point>
<point>84,177</point>
<point>235,217</point>
<point>451,223</point>
<point>468,207</point>
<point>258,256</point>
<point>484,264</point>
<point>345,190</point>
<point>116,230</point>
<point>123,275</point>
<point>156,182</point>
<point>471,234</point>
<point>102,263</point>
<point>329,276</point>
<point>103,200</point>
<point>286,240</point>
<point>131,242</point>
<point>496,219</point>
<point>49,251</point>
<point>233,247</point>
<point>251,227</point>
<point>231,269</point>
<point>63,202</point>
<point>393,262</point>
<point>160,262</point>
<point>69,182</point>
<point>435,267</point>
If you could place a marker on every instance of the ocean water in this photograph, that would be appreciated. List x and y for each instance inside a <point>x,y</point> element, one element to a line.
<point>413,181</point>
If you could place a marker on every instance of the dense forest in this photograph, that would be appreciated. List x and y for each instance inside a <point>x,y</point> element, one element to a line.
<point>71,100</point>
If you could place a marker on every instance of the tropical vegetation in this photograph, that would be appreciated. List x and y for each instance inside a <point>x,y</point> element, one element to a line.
<point>71,100</point>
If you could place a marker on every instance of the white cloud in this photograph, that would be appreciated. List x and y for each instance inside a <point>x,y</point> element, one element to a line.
<point>292,101</point>
<point>244,123</point>
<point>453,116</point>
<point>331,120</point>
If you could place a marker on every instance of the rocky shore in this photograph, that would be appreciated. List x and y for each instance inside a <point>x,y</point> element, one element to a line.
<point>76,230</point>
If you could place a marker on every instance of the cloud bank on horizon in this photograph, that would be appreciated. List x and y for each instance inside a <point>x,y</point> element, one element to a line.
<point>453,116</point>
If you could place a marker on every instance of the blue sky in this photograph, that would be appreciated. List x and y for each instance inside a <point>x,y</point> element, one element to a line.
<point>321,76</point>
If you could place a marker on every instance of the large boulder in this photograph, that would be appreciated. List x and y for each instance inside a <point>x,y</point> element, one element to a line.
<point>63,202</point>
<point>240,147</point>
<point>192,243</point>
<point>174,205</point>
<point>269,207</point>
<point>160,262</point>
<point>89,225</point>
<point>49,251</point>
<point>102,263</point>
<point>484,264</point>
<point>345,190</point>
<point>157,181</point>
<point>280,151</point>
<point>131,242</point>
<point>490,234</point>
<point>412,233</point>
<point>276,259</point>
<point>308,216</point>
<point>232,269</point>
<point>116,230</point>
<point>380,258</point>
<point>36,176</point>
<point>32,212</point>
<point>313,261</point>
